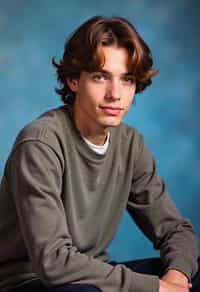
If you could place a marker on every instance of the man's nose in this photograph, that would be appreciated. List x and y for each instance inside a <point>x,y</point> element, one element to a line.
<point>114,90</point>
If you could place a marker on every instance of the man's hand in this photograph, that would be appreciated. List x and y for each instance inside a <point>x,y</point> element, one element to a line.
<point>174,281</point>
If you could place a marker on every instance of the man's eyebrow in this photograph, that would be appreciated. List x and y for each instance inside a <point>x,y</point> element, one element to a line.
<point>103,71</point>
<point>131,74</point>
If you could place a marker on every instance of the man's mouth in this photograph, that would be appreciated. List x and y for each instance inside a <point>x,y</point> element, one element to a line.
<point>110,110</point>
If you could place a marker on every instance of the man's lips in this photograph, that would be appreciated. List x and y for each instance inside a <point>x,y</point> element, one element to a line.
<point>111,110</point>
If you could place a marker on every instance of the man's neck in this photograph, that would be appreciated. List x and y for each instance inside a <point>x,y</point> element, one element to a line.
<point>96,135</point>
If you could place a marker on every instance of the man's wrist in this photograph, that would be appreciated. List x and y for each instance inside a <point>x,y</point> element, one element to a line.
<point>176,277</point>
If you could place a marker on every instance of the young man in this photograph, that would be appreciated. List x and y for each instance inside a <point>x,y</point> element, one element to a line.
<point>74,170</point>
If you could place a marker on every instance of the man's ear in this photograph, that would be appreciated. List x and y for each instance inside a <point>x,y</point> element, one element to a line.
<point>73,84</point>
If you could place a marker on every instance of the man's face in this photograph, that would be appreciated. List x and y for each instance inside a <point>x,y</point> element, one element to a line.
<point>103,98</point>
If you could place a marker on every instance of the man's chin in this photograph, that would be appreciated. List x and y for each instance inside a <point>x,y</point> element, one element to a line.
<point>111,122</point>
<point>112,125</point>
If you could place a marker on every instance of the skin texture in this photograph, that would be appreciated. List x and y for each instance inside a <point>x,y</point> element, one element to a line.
<point>174,281</point>
<point>101,100</point>
<point>104,97</point>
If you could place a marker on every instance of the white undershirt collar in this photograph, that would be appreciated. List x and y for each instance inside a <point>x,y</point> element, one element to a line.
<point>100,149</point>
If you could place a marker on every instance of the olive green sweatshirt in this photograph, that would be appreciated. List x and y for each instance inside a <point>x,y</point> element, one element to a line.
<point>61,204</point>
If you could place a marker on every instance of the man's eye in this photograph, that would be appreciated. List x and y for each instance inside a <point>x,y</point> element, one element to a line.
<point>129,79</point>
<point>99,77</point>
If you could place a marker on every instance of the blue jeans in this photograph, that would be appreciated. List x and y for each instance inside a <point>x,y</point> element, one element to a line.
<point>147,266</point>
<point>37,286</point>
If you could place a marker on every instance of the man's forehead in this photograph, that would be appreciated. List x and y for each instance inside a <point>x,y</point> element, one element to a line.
<point>116,59</point>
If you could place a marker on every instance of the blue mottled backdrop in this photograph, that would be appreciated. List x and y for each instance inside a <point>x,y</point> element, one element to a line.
<point>31,32</point>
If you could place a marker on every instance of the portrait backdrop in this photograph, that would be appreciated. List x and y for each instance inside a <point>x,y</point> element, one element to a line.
<point>167,113</point>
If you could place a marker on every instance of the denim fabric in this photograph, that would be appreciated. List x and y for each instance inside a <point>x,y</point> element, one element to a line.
<point>37,286</point>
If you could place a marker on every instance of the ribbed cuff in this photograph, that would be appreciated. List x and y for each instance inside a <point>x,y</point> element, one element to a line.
<point>182,265</point>
<point>144,283</point>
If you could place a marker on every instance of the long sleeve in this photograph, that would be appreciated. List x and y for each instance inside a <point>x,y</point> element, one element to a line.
<point>155,213</point>
<point>35,176</point>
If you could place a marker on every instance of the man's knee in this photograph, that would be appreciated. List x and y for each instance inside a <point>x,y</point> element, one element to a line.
<point>89,288</point>
<point>75,288</point>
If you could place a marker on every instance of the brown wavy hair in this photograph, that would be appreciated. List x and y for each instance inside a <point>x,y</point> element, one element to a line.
<point>83,52</point>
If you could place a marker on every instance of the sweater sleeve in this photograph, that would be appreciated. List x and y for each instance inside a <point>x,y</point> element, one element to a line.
<point>155,213</point>
<point>35,174</point>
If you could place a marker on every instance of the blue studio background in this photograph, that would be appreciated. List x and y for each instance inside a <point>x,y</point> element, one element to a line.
<point>167,113</point>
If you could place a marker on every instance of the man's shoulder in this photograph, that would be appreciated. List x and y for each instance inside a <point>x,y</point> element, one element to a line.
<point>128,132</point>
<point>47,128</point>
<point>129,138</point>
